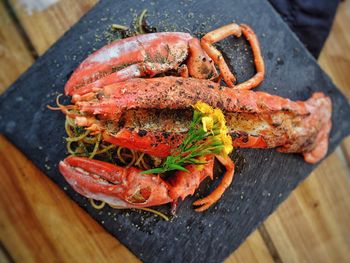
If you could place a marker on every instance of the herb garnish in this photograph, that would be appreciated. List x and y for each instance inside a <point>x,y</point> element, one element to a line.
<point>207,135</point>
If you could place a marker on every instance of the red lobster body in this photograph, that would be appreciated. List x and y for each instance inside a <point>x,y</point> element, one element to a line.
<point>255,119</point>
<point>152,115</point>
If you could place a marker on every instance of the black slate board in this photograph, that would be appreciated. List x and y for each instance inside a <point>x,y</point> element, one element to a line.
<point>264,178</point>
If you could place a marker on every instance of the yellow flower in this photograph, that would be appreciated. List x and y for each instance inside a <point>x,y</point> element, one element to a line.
<point>203,107</point>
<point>219,116</point>
<point>214,119</point>
<point>201,159</point>
<point>227,141</point>
<point>208,123</point>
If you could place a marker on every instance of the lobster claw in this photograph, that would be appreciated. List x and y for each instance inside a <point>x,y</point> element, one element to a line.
<point>128,188</point>
<point>119,186</point>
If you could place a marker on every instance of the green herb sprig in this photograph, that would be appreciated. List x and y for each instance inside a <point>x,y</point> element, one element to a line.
<point>197,142</point>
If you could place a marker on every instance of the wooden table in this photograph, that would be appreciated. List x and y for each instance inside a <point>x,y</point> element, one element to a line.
<point>38,222</point>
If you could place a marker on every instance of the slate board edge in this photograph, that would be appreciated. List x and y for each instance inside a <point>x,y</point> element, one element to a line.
<point>310,56</point>
<point>38,61</point>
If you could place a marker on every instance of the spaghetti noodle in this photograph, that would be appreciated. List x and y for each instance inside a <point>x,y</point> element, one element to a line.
<point>81,142</point>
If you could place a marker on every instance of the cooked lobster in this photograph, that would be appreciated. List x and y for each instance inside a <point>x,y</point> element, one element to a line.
<point>152,115</point>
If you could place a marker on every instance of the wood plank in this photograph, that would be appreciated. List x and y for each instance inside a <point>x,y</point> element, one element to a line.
<point>37,216</point>
<point>4,256</point>
<point>346,150</point>
<point>44,27</point>
<point>253,250</point>
<point>335,58</point>
<point>14,57</point>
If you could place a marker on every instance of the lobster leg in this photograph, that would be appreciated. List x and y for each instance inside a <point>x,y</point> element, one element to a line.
<point>206,202</point>
<point>200,65</point>
<point>183,71</point>
<point>258,60</point>
<point>207,44</point>
<point>233,29</point>
<point>185,183</point>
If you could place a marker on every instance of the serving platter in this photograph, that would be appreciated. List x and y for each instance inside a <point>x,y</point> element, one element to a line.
<point>264,177</point>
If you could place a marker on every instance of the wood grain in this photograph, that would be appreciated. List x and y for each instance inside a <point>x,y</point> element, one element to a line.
<point>5,257</point>
<point>14,57</point>
<point>324,226</point>
<point>253,250</point>
<point>46,26</point>
<point>346,150</point>
<point>335,58</point>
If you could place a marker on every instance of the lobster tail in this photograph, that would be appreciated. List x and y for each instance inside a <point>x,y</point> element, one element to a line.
<point>313,134</point>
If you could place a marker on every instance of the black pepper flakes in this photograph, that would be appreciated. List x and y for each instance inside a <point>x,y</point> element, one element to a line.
<point>142,133</point>
<point>166,134</point>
